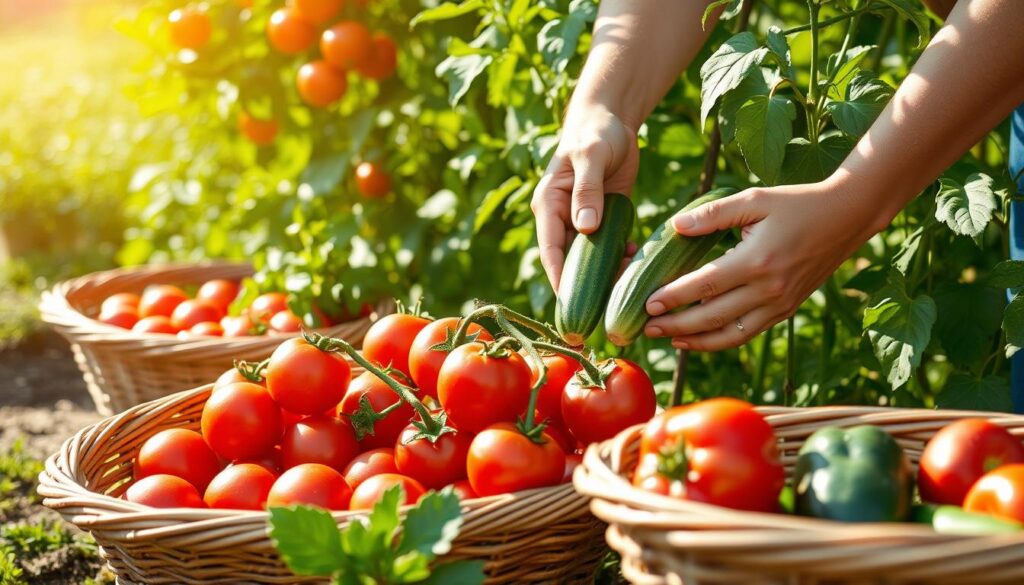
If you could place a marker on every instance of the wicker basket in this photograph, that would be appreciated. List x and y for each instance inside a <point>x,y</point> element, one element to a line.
<point>123,368</point>
<point>667,541</point>
<point>539,536</point>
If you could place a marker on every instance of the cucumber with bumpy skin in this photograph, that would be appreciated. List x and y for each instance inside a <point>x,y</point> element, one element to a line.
<point>664,257</point>
<point>590,268</point>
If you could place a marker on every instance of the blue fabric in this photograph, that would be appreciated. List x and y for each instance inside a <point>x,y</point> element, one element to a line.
<point>1017,241</point>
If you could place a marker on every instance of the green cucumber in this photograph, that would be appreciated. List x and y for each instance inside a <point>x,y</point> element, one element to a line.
<point>664,257</point>
<point>956,521</point>
<point>590,268</point>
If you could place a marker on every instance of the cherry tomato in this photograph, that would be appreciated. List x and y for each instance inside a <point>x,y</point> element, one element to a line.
<point>219,292</point>
<point>319,84</point>
<point>477,390</point>
<point>179,452</point>
<point>155,324</point>
<point>271,460</point>
<point>368,464</point>
<point>207,329</point>
<point>383,58</point>
<point>311,484</point>
<point>464,490</point>
<point>190,27</point>
<point>503,460</point>
<point>425,363</point>
<point>595,414</point>
<point>572,461</point>
<point>123,316</point>
<point>241,421</point>
<point>346,45</point>
<point>319,439</point>
<point>316,11</point>
<point>238,326</point>
<point>193,311</point>
<point>381,396</point>
<point>999,492</point>
<point>164,491</point>
<point>372,180</point>
<point>230,376</point>
<point>561,369</point>
<point>286,322</point>
<point>372,490</point>
<point>160,299</point>
<point>243,486</point>
<point>289,32</point>
<point>436,464</point>
<point>267,305</point>
<point>388,341</point>
<point>305,380</point>
<point>560,435</point>
<point>120,300</point>
<point>959,454</point>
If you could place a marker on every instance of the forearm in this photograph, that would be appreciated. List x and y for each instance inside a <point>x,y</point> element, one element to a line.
<point>639,49</point>
<point>968,80</point>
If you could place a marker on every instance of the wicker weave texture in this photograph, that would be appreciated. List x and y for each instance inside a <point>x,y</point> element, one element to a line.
<point>668,541</point>
<point>539,536</point>
<point>123,368</point>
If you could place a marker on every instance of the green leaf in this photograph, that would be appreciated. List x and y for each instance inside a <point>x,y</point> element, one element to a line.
<point>307,540</point>
<point>447,11</point>
<point>779,46</point>
<point>809,163</point>
<point>457,573</point>
<point>966,208</point>
<point>912,11</point>
<point>500,79</point>
<point>493,200</point>
<point>969,316</point>
<point>866,97</point>
<point>433,524</point>
<point>679,141</point>
<point>751,86</point>
<point>763,128</point>
<point>903,257</point>
<point>899,329</point>
<point>324,173</point>
<point>460,73</point>
<point>966,392</point>
<point>724,70</point>
<point>732,10</point>
<point>848,69</point>
<point>1013,325</point>
<point>557,39</point>
<point>1006,274</point>
<point>412,567</point>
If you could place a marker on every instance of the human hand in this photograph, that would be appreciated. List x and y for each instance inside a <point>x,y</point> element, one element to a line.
<point>597,153</point>
<point>794,237</point>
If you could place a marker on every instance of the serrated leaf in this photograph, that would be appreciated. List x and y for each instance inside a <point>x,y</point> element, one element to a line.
<point>432,525</point>
<point>969,316</point>
<point>912,11</point>
<point>1013,325</point>
<point>457,572</point>
<point>753,85</point>
<point>1006,274</point>
<point>779,46</point>
<point>764,127</point>
<point>905,255</point>
<point>727,67</point>
<point>493,200</point>
<point>848,69</point>
<point>307,540</point>
<point>558,39</point>
<point>866,97</point>
<point>965,392</point>
<point>460,73</point>
<point>808,162</point>
<point>966,208</point>
<point>447,11</point>
<point>899,329</point>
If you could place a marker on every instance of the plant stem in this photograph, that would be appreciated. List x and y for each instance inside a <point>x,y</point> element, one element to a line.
<point>884,34</point>
<point>827,21</point>
<point>790,385</point>
<point>812,89</point>
<point>494,311</point>
<point>529,425</point>
<point>761,368</point>
<point>851,28</point>
<point>588,366</point>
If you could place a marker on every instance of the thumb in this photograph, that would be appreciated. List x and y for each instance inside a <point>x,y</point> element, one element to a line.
<point>737,210</point>
<point>588,190</point>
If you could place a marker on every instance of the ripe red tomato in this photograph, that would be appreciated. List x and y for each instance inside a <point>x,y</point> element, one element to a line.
<point>286,322</point>
<point>572,461</point>
<point>561,369</point>
<point>372,490</point>
<point>311,484</point>
<point>305,380</point>
<point>425,363</point>
<point>383,58</point>
<point>267,305</point>
<point>381,396</point>
<point>190,27</point>
<point>346,45</point>
<point>120,300</point>
<point>289,32</point>
<point>319,439</point>
<point>179,452</point>
<point>368,464</point>
<point>123,316</point>
<point>959,454</point>
<point>372,180</point>
<point>238,326</point>
<point>271,461</point>
<point>319,84</point>
<point>207,329</point>
<point>219,292</point>
<point>316,11</point>
<point>560,435</point>
<point>160,299</point>
<point>389,340</point>
<point>503,460</point>
<point>241,421</point>
<point>999,492</point>
<point>593,414</point>
<point>243,486</point>
<point>477,390</point>
<point>463,490</point>
<point>164,491</point>
<point>190,312</point>
<point>229,376</point>
<point>436,464</point>
<point>154,324</point>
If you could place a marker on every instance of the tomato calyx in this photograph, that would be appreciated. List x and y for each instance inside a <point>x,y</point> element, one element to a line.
<point>414,311</point>
<point>426,432</point>
<point>365,418</point>
<point>452,340</point>
<point>674,461</point>
<point>252,371</point>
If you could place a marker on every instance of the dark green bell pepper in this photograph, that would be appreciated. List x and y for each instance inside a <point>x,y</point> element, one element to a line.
<point>858,474</point>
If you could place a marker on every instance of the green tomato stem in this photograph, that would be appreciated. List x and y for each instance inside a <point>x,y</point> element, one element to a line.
<point>827,21</point>
<point>593,372</point>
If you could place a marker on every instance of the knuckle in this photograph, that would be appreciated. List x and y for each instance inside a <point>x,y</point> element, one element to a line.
<point>775,287</point>
<point>716,321</point>
<point>707,288</point>
<point>762,263</point>
<point>712,210</point>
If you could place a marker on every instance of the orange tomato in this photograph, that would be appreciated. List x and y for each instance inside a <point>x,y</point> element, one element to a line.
<point>347,44</point>
<point>289,32</point>
<point>190,27</point>
<point>320,85</point>
<point>372,180</point>
<point>383,58</point>
<point>259,132</point>
<point>316,11</point>
<point>999,492</point>
<point>154,324</point>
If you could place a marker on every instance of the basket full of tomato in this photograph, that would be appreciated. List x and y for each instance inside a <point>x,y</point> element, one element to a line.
<point>722,492</point>
<point>137,334</point>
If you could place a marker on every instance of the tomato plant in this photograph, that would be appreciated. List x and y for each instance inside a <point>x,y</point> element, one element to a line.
<point>367,386</point>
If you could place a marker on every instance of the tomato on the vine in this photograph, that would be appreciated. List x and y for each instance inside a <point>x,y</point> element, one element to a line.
<point>368,464</point>
<point>425,363</point>
<point>311,484</point>
<point>241,421</point>
<point>320,84</point>
<point>383,58</point>
<point>477,390</point>
<point>164,491</point>
<point>193,311</point>
<point>319,439</point>
<point>219,292</point>
<point>372,180</point>
<point>179,452</point>
<point>596,414</point>
<point>190,27</point>
<point>160,299</point>
<point>305,380</point>
<point>502,460</point>
<point>316,11</point>
<point>999,492</point>
<point>242,486</point>
<point>260,132</point>
<point>286,322</point>
<point>155,324</point>
<point>561,369</point>
<point>346,45</point>
<point>372,490</point>
<point>289,32</point>
<point>435,464</point>
<point>380,396</point>
<point>389,340</point>
<point>959,454</point>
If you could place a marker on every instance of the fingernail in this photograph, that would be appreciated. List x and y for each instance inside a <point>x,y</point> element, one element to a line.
<point>653,331</point>
<point>683,222</point>
<point>680,345</point>
<point>586,219</point>
<point>655,308</point>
